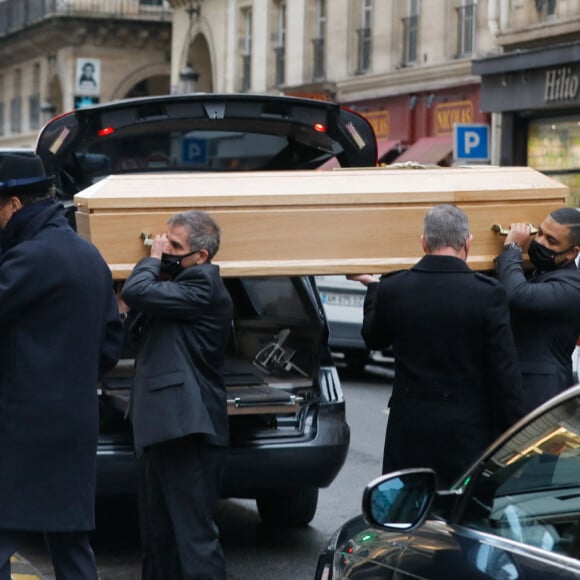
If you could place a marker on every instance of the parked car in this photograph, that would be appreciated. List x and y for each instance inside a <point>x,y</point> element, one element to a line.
<point>514,515</point>
<point>289,435</point>
<point>343,305</point>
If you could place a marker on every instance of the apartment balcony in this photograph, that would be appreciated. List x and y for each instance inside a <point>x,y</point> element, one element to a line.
<point>18,15</point>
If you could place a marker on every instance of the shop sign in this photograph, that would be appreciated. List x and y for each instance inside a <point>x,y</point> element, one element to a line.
<point>88,77</point>
<point>471,142</point>
<point>380,122</point>
<point>82,101</point>
<point>448,114</point>
<point>561,84</point>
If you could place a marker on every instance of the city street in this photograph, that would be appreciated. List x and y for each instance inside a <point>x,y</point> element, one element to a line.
<point>253,550</point>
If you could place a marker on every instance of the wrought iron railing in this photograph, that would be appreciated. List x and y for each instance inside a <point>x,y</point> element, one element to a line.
<point>17,15</point>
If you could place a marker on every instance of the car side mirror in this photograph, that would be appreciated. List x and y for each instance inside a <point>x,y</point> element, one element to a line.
<point>400,500</point>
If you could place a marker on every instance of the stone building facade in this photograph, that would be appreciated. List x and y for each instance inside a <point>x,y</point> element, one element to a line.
<point>45,45</point>
<point>413,67</point>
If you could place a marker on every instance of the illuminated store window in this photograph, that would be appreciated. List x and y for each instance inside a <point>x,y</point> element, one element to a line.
<point>554,149</point>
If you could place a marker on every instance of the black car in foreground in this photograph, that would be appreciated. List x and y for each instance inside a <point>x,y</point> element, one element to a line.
<point>515,515</point>
<point>289,435</point>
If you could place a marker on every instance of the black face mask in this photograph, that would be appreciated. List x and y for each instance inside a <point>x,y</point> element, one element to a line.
<point>543,258</point>
<point>171,263</point>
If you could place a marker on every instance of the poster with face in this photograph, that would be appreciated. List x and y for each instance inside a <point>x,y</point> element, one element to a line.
<point>88,77</point>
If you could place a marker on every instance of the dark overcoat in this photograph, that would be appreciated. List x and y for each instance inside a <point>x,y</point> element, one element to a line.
<point>59,329</point>
<point>457,383</point>
<point>545,314</point>
<point>178,385</point>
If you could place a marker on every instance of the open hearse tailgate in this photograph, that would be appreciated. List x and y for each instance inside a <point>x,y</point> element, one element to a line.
<point>308,222</point>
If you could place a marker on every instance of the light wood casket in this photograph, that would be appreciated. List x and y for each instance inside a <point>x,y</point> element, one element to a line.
<point>314,222</point>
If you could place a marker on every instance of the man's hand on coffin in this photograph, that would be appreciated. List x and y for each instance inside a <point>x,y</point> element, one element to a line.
<point>519,234</point>
<point>364,279</point>
<point>159,246</point>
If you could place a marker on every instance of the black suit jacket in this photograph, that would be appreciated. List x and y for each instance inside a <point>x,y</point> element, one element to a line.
<point>545,313</point>
<point>457,384</point>
<point>178,386</point>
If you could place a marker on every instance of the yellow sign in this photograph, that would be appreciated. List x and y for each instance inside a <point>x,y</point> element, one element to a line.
<point>380,121</point>
<point>446,114</point>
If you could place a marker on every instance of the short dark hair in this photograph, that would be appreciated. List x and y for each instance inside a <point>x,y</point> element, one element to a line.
<point>204,233</point>
<point>570,217</point>
<point>445,226</point>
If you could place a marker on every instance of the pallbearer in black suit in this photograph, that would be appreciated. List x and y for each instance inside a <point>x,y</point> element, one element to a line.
<point>457,385</point>
<point>545,303</point>
<point>178,405</point>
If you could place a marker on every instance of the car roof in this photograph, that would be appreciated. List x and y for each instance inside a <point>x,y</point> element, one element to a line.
<point>26,151</point>
<point>202,132</point>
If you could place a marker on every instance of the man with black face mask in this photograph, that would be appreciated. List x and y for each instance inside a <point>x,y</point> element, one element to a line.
<point>178,405</point>
<point>544,304</point>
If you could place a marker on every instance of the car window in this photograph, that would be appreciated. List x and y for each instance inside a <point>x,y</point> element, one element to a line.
<point>529,490</point>
<point>277,298</point>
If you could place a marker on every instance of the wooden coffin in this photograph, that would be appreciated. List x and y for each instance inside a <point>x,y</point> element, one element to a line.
<point>314,222</point>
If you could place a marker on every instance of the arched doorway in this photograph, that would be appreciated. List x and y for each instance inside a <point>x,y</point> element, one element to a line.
<point>199,59</point>
<point>150,86</point>
<point>145,81</point>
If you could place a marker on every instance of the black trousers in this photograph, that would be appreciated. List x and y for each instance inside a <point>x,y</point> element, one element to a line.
<point>71,553</point>
<point>179,484</point>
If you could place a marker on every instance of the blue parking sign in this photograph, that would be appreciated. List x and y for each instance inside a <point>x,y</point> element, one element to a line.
<point>471,142</point>
<point>194,150</point>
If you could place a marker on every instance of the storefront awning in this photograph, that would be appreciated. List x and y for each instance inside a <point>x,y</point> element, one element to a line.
<point>384,146</point>
<point>427,150</point>
<point>330,164</point>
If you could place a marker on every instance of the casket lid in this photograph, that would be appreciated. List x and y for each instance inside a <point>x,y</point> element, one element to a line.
<point>364,186</point>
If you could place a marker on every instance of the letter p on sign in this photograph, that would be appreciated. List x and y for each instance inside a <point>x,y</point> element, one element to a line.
<point>471,142</point>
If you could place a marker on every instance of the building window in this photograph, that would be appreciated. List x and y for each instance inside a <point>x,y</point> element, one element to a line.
<point>547,9</point>
<point>280,50</point>
<point>410,32</point>
<point>16,104</point>
<point>2,96</point>
<point>246,49</point>
<point>466,27</point>
<point>364,38</point>
<point>318,41</point>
